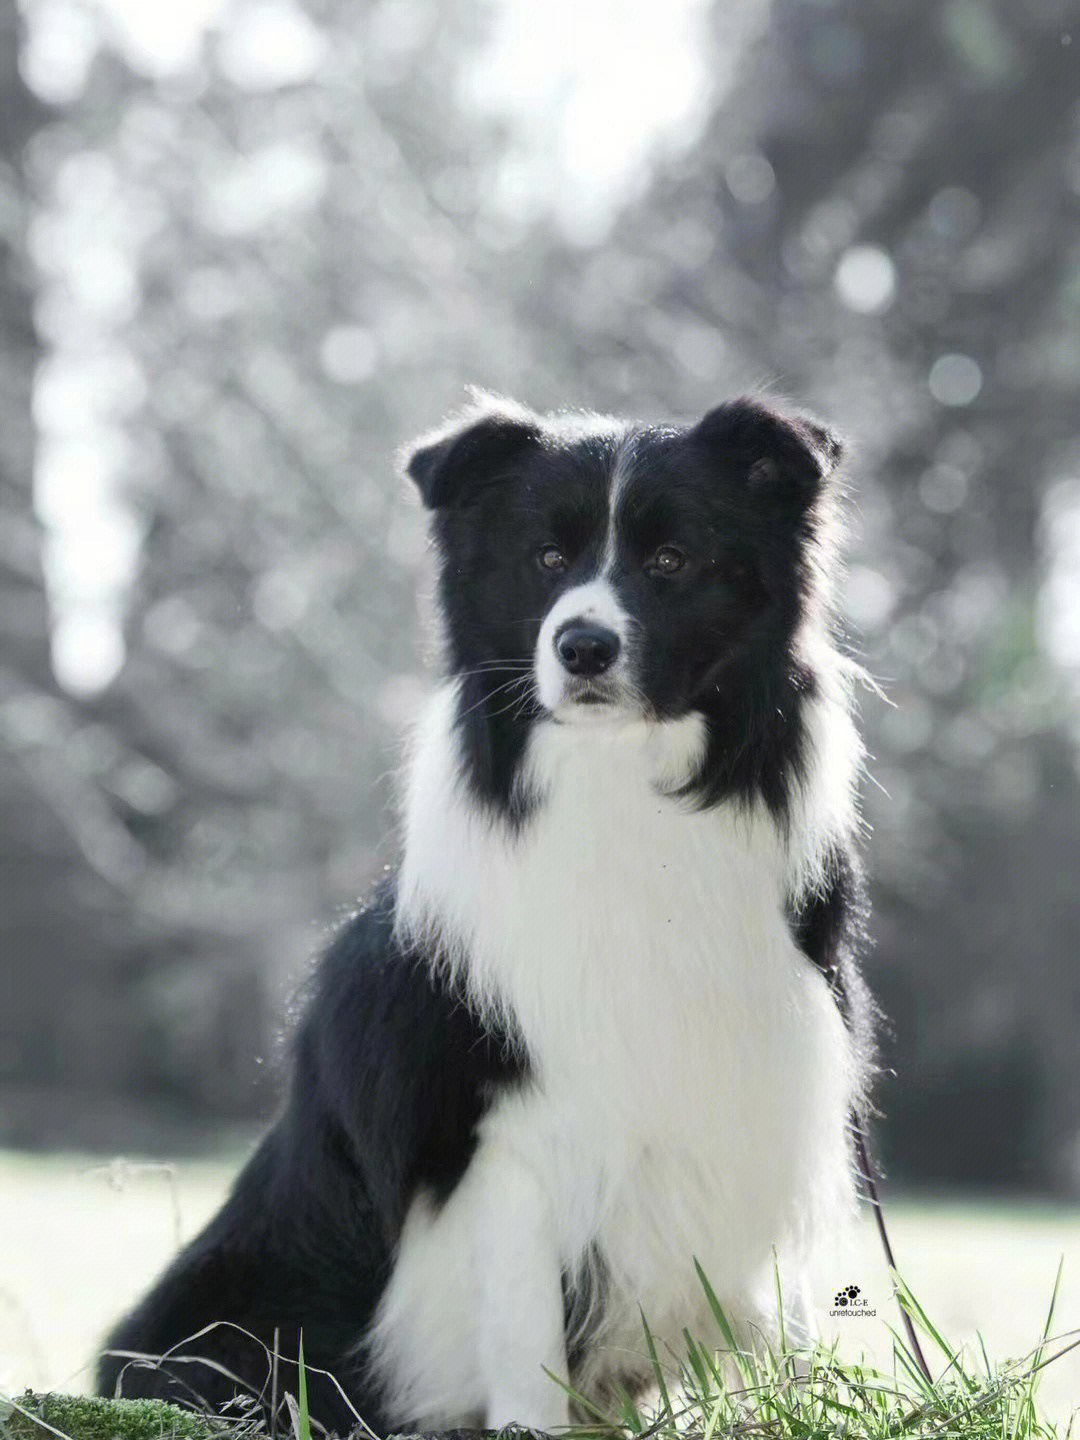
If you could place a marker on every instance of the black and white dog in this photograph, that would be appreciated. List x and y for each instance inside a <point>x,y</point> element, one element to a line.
<point>607,1019</point>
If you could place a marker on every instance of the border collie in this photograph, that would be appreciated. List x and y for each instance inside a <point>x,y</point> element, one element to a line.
<point>607,1019</point>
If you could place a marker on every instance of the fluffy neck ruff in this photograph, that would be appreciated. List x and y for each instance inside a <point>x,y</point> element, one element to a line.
<point>591,799</point>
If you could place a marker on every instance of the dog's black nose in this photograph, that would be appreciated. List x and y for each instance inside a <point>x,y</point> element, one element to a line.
<point>586,649</point>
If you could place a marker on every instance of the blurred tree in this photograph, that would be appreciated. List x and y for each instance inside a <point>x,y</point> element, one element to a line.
<point>24,627</point>
<point>23,608</point>
<point>55,909</point>
<point>305,300</point>
<point>258,274</point>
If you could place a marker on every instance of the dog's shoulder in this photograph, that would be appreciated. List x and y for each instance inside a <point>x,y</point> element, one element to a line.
<point>391,1056</point>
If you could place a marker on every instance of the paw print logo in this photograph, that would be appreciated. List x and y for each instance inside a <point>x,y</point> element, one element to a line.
<point>847,1297</point>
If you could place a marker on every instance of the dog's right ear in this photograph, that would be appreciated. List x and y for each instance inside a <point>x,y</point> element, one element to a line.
<point>469,452</point>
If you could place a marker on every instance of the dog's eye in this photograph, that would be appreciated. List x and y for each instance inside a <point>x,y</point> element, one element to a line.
<point>666,561</point>
<point>549,557</point>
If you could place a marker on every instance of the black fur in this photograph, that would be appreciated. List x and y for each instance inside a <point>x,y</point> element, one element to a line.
<point>390,1075</point>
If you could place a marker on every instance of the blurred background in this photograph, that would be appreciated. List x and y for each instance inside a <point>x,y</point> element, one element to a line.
<point>248,247</point>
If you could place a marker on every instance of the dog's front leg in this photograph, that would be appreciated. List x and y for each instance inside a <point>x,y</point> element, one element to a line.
<point>520,1316</point>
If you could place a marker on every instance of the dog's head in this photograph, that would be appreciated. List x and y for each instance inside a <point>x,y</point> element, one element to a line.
<point>595,571</point>
<point>628,571</point>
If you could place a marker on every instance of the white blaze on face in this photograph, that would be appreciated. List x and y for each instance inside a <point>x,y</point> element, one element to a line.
<point>595,601</point>
<point>619,476</point>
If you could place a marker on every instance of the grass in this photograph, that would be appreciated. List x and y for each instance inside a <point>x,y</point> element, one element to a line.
<point>772,1392</point>
<point>810,1393</point>
<point>82,1245</point>
<point>981,1263</point>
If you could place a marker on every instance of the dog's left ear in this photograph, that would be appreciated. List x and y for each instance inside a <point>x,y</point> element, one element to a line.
<point>477,447</point>
<point>770,453</point>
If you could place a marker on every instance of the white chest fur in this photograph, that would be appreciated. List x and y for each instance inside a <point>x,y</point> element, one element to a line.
<point>691,1073</point>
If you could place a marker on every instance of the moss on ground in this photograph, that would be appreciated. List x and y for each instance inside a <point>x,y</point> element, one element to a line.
<point>89,1417</point>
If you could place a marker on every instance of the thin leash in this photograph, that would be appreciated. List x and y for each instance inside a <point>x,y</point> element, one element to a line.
<point>867,1173</point>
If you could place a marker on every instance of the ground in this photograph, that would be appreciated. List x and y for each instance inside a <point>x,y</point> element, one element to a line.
<point>79,1241</point>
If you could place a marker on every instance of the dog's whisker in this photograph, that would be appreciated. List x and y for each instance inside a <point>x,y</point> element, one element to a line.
<point>495,665</point>
<point>509,685</point>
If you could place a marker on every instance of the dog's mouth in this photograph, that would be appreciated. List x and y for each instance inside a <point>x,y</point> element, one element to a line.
<point>600,699</point>
<point>592,692</point>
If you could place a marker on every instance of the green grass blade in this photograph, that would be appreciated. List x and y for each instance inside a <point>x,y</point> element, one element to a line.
<point>985,1357</point>
<point>658,1369</point>
<point>830,1402</point>
<point>903,1356</point>
<point>715,1412</point>
<point>745,1369</point>
<point>629,1415</point>
<point>697,1365</point>
<point>716,1308</point>
<point>301,1394</point>
<point>915,1310</point>
<point>578,1398</point>
<point>779,1304</point>
<point>1053,1300</point>
<point>1034,1375</point>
